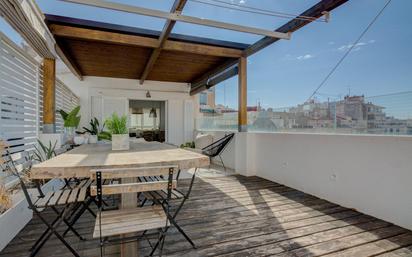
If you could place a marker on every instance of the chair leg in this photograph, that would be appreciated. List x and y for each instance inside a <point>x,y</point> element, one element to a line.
<point>159,241</point>
<point>183,233</point>
<point>143,202</point>
<point>86,206</point>
<point>52,230</point>
<point>221,160</point>
<point>44,234</point>
<point>162,244</point>
<point>178,175</point>
<point>69,224</point>
<point>172,220</point>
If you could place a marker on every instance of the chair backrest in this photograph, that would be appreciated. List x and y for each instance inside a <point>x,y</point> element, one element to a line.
<point>217,147</point>
<point>18,164</point>
<point>135,187</point>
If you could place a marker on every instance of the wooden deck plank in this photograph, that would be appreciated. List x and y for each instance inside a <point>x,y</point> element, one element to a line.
<point>239,216</point>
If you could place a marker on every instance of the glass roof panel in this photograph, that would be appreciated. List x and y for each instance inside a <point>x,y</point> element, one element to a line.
<point>219,10</point>
<point>56,7</point>
<point>213,9</point>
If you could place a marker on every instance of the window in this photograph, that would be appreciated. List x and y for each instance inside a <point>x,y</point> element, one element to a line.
<point>203,98</point>
<point>145,121</point>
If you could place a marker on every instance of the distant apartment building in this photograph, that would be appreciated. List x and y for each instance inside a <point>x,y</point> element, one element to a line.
<point>353,114</point>
<point>205,102</point>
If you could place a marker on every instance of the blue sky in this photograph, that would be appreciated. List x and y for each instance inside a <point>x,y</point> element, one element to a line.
<point>287,72</point>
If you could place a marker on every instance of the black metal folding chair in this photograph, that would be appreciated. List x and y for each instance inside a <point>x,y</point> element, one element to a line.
<point>159,197</point>
<point>125,221</point>
<point>217,148</point>
<point>68,182</point>
<point>65,200</point>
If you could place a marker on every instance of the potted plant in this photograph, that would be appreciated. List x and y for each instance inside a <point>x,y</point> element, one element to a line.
<point>93,131</point>
<point>71,122</point>
<point>120,134</point>
<point>96,133</point>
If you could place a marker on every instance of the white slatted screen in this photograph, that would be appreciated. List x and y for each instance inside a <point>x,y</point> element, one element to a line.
<point>19,96</point>
<point>21,100</point>
<point>65,100</point>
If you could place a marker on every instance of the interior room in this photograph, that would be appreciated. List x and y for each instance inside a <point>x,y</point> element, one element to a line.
<point>147,120</point>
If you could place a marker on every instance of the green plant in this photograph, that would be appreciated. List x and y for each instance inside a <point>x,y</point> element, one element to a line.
<point>188,145</point>
<point>43,152</point>
<point>94,127</point>
<point>96,130</point>
<point>117,125</point>
<point>71,119</point>
<point>104,135</point>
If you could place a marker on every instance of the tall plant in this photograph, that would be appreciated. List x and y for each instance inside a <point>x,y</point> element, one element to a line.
<point>44,152</point>
<point>94,127</point>
<point>71,119</point>
<point>117,125</point>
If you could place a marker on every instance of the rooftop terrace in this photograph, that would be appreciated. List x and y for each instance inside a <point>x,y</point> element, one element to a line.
<point>291,193</point>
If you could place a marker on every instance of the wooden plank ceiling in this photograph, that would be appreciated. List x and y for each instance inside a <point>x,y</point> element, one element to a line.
<point>108,50</point>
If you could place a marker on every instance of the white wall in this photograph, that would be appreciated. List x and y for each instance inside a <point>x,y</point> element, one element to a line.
<point>176,95</point>
<point>372,174</point>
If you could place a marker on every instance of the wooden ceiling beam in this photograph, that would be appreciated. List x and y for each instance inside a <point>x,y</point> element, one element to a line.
<point>70,63</point>
<point>134,40</point>
<point>202,49</point>
<point>177,7</point>
<point>102,36</point>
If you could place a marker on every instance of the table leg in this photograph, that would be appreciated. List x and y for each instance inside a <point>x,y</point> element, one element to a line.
<point>129,201</point>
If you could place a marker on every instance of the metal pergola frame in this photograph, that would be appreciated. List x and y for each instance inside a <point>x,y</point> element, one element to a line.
<point>228,69</point>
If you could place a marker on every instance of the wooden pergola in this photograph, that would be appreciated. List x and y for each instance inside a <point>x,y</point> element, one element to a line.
<point>91,48</point>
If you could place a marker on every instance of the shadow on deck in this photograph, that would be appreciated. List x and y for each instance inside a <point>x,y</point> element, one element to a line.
<point>248,216</point>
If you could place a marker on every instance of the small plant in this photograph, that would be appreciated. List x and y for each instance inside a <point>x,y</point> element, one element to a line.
<point>104,135</point>
<point>117,125</point>
<point>43,152</point>
<point>94,127</point>
<point>188,145</point>
<point>71,119</point>
<point>96,130</point>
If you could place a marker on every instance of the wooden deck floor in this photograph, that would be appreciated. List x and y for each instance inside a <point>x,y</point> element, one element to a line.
<point>239,216</point>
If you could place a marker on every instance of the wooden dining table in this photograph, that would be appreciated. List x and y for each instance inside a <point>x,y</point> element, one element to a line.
<point>78,162</point>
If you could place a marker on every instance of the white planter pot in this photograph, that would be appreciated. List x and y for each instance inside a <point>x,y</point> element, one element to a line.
<point>120,142</point>
<point>69,133</point>
<point>79,140</point>
<point>92,139</point>
<point>14,220</point>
